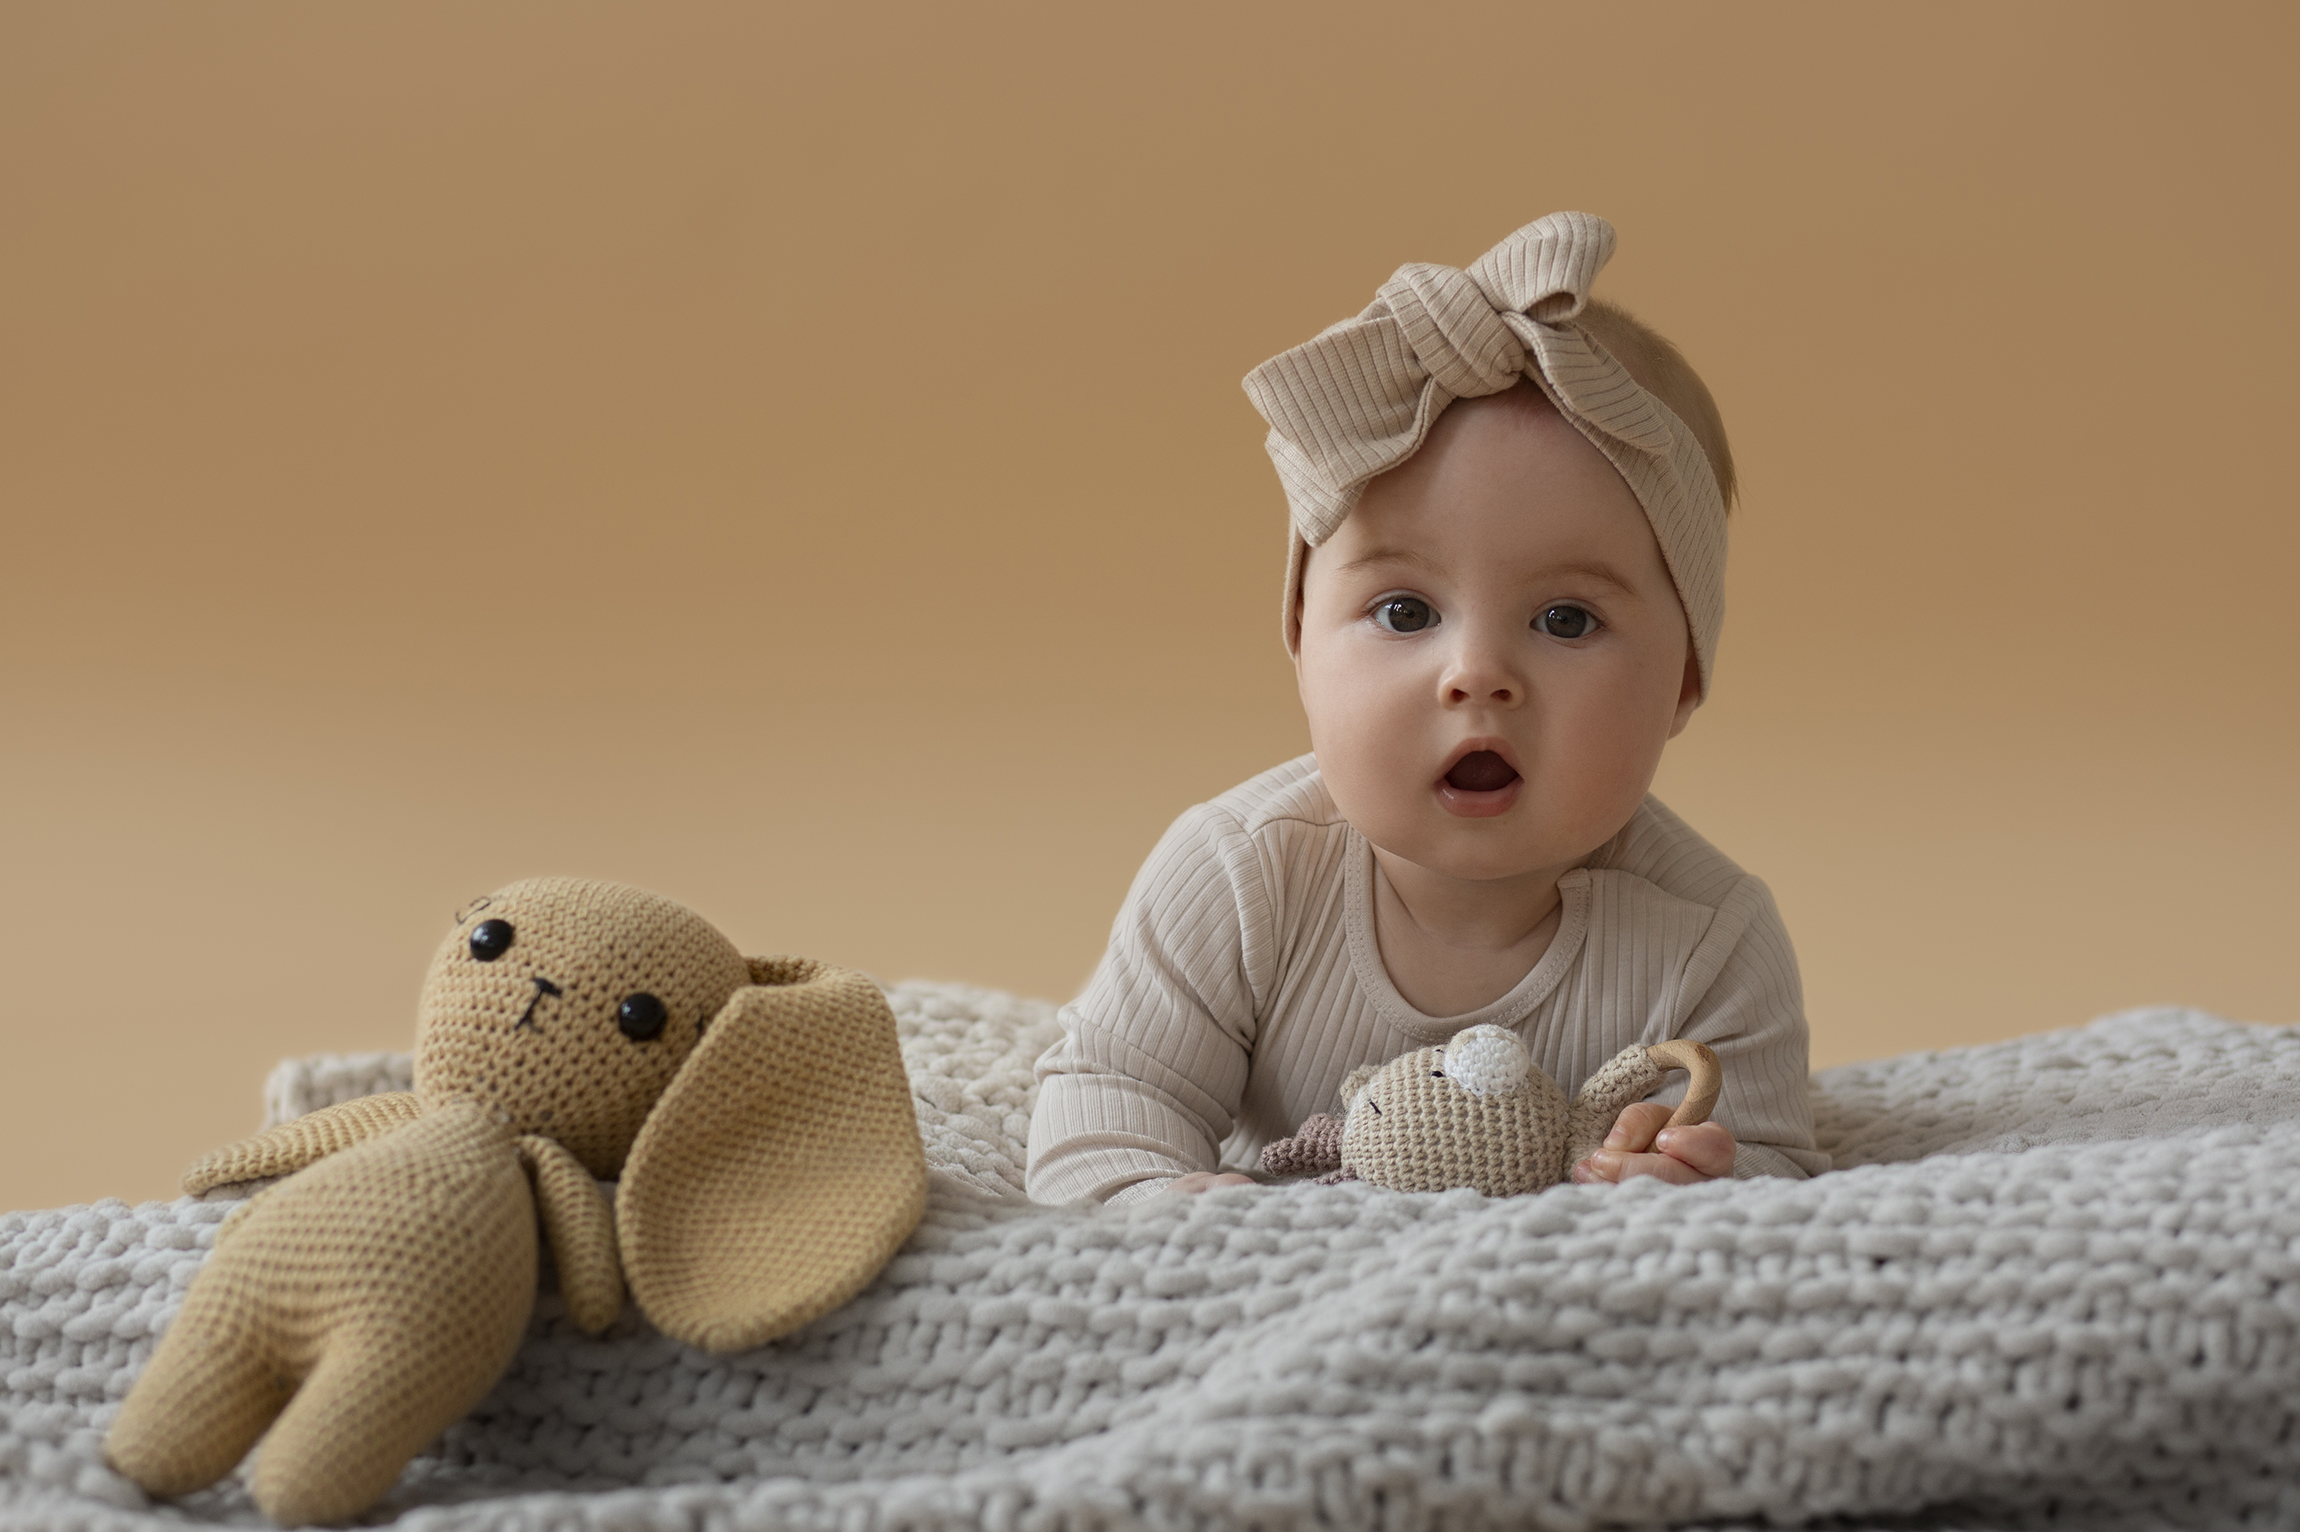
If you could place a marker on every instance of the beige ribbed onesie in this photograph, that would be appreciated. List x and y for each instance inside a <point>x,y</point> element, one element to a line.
<point>1243,982</point>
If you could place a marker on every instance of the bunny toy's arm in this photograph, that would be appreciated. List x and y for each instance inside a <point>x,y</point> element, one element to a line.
<point>291,1146</point>
<point>581,1227</point>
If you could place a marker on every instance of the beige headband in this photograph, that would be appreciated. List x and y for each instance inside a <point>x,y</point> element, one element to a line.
<point>1359,398</point>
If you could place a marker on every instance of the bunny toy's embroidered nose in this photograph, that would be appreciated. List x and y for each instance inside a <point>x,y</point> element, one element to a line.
<point>543,987</point>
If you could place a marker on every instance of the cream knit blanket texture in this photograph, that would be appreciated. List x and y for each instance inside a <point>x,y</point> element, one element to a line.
<point>2055,1283</point>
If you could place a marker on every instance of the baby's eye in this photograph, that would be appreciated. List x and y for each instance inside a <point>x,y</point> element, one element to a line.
<point>1404,614</point>
<point>1565,620</point>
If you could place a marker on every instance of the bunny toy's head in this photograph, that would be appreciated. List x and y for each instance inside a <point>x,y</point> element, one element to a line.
<point>1472,1113</point>
<point>567,1005</point>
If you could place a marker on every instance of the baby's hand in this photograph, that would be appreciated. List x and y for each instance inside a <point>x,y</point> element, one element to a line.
<point>1640,1145</point>
<point>1206,1181</point>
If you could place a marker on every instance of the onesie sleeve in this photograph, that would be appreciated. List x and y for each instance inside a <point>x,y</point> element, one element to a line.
<point>1752,1013</point>
<point>1146,1081</point>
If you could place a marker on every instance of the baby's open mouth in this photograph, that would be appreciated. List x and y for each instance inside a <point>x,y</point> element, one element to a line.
<point>1480,771</point>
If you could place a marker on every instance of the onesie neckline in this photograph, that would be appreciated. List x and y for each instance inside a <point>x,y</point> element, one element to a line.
<point>1509,1010</point>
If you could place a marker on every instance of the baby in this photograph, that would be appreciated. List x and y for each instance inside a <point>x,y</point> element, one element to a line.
<point>1502,601</point>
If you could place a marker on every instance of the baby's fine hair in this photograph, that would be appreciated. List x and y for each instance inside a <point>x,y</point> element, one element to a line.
<point>1662,371</point>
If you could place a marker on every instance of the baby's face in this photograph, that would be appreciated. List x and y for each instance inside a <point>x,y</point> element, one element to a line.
<point>1492,653</point>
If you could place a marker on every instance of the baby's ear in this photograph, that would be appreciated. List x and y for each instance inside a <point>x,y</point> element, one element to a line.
<point>1688,692</point>
<point>782,1166</point>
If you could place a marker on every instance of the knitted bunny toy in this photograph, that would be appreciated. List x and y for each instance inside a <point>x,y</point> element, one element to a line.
<point>1477,1113</point>
<point>756,1112</point>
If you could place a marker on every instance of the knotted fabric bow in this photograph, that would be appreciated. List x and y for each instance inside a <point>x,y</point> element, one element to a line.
<point>1360,398</point>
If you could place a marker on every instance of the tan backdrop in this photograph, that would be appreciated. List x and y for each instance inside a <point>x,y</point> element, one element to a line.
<point>792,458</point>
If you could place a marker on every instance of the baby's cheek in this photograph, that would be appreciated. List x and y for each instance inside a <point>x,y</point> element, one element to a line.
<point>1588,781</point>
<point>1369,752</point>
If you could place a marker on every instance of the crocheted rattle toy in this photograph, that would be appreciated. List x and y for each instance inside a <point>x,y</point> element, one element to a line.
<point>1477,1113</point>
<point>756,1112</point>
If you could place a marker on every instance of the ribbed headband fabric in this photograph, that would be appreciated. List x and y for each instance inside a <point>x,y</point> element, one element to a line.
<point>1360,398</point>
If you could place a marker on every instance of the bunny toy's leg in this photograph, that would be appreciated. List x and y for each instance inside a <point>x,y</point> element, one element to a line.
<point>418,1292</point>
<point>379,1294</point>
<point>220,1374</point>
<point>207,1394</point>
<point>377,1398</point>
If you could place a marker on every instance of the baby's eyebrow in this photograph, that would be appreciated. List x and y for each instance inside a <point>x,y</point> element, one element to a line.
<point>1373,556</point>
<point>1588,569</point>
<point>1604,574</point>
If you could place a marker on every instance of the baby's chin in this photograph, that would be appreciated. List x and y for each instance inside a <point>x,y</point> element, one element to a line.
<point>1486,850</point>
<point>1526,838</point>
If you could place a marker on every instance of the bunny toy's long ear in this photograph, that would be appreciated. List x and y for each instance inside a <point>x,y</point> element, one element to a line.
<point>781,1168</point>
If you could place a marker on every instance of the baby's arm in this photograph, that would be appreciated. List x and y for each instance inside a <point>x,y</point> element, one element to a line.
<point>1145,1084</point>
<point>1207,1180</point>
<point>1751,1012</point>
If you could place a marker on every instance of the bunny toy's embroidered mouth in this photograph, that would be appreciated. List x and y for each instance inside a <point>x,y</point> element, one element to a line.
<point>543,987</point>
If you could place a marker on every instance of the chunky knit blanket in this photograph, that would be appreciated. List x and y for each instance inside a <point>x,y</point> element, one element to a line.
<point>2055,1282</point>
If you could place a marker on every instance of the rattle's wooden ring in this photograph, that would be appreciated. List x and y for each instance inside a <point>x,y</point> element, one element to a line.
<point>1707,1078</point>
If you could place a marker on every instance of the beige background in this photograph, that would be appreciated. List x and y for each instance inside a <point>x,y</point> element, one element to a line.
<point>794,459</point>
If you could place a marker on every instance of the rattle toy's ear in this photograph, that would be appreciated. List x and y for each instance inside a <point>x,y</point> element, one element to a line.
<point>781,1168</point>
<point>1314,1150</point>
<point>1355,1081</point>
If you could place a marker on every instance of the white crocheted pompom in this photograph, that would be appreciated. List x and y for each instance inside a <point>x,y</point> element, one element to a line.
<point>1488,1060</point>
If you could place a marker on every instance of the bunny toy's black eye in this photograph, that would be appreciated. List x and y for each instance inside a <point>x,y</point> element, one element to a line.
<point>641,1017</point>
<point>490,939</point>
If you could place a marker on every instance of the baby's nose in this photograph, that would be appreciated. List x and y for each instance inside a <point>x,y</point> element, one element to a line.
<point>1481,672</point>
<point>1482,680</point>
